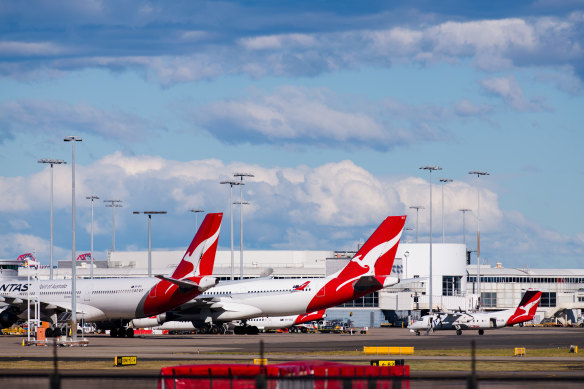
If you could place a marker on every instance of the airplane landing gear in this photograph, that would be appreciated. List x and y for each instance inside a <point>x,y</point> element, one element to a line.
<point>246,330</point>
<point>121,332</point>
<point>212,329</point>
<point>481,332</point>
<point>417,333</point>
<point>458,332</point>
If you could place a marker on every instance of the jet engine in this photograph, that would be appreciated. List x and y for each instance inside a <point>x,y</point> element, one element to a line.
<point>148,322</point>
<point>8,317</point>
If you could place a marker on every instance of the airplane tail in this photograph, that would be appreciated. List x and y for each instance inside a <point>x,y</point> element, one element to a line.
<point>525,311</point>
<point>200,256</point>
<point>367,271</point>
<point>376,256</point>
<point>192,275</point>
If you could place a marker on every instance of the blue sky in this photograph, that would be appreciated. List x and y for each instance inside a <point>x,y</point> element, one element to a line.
<point>333,106</point>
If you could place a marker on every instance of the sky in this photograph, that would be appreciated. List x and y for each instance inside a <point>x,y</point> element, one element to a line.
<point>333,106</point>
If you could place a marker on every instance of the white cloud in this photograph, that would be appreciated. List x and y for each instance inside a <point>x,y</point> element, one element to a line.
<point>14,244</point>
<point>42,116</point>
<point>317,116</point>
<point>467,108</point>
<point>201,52</point>
<point>12,48</point>
<point>19,224</point>
<point>271,42</point>
<point>328,206</point>
<point>510,91</point>
<point>415,191</point>
<point>493,35</point>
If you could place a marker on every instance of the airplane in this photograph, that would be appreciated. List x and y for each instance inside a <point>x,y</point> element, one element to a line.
<point>368,271</point>
<point>481,321</point>
<point>266,323</point>
<point>262,323</point>
<point>114,302</point>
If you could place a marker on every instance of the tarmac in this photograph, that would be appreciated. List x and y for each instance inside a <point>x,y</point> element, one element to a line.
<point>92,366</point>
<point>289,346</point>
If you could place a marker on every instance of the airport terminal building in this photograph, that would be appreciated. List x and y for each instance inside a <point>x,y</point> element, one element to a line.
<point>454,280</point>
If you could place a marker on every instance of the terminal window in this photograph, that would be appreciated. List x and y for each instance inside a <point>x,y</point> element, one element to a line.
<point>451,285</point>
<point>489,299</point>
<point>548,299</point>
<point>370,300</point>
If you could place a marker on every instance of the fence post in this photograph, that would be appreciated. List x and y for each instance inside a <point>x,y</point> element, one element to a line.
<point>55,379</point>
<point>261,378</point>
<point>396,382</point>
<point>472,380</point>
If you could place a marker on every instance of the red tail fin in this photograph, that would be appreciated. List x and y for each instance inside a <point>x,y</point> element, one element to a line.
<point>527,307</point>
<point>367,271</point>
<point>200,256</point>
<point>378,252</point>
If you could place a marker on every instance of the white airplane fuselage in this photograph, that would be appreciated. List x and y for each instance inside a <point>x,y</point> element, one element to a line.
<point>105,299</point>
<point>462,321</point>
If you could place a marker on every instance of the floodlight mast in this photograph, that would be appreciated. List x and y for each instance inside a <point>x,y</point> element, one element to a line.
<point>73,139</point>
<point>241,175</point>
<point>464,210</point>
<point>231,183</point>
<point>52,162</point>
<point>150,213</point>
<point>479,174</point>
<point>241,204</point>
<point>113,204</point>
<point>430,169</point>
<point>443,181</point>
<point>417,208</point>
<point>196,211</point>
<point>92,197</point>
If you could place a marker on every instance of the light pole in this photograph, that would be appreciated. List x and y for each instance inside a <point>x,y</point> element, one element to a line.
<point>443,181</point>
<point>464,210</point>
<point>478,174</point>
<point>195,211</point>
<point>430,169</point>
<point>406,255</point>
<point>51,162</point>
<point>417,208</point>
<point>241,202</point>
<point>406,229</point>
<point>150,213</point>
<point>73,139</point>
<point>231,183</point>
<point>92,197</point>
<point>113,204</point>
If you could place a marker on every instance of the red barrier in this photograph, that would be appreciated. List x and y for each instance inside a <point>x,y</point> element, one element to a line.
<point>237,376</point>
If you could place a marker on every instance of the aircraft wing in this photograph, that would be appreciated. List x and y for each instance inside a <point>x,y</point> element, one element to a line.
<point>22,303</point>
<point>48,308</point>
<point>200,303</point>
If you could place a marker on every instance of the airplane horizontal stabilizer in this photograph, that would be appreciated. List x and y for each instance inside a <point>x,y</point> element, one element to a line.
<point>366,283</point>
<point>186,285</point>
<point>412,280</point>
